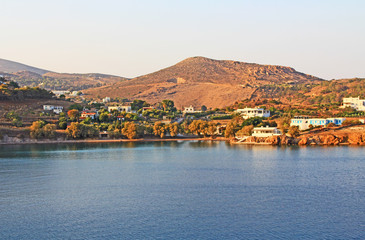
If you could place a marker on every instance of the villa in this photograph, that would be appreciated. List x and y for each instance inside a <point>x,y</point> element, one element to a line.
<point>190,110</point>
<point>356,103</point>
<point>90,114</point>
<point>303,122</point>
<point>247,113</point>
<point>266,132</point>
<point>126,109</point>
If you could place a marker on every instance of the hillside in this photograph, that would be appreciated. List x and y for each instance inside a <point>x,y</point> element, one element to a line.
<point>325,92</point>
<point>8,66</point>
<point>26,75</point>
<point>202,81</point>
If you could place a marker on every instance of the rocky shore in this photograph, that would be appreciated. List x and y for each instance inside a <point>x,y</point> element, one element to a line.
<point>350,136</point>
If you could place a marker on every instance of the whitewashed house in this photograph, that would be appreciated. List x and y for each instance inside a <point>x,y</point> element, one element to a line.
<point>247,113</point>
<point>266,131</point>
<point>126,109</point>
<point>106,99</point>
<point>303,122</point>
<point>356,103</point>
<point>55,109</point>
<point>89,114</point>
<point>190,109</point>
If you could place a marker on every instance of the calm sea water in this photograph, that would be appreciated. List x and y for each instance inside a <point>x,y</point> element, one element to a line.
<point>187,190</point>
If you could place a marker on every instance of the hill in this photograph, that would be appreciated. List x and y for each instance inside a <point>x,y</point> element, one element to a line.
<point>26,75</point>
<point>8,66</point>
<point>202,81</point>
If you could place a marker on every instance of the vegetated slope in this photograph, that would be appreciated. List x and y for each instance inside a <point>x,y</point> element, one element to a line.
<point>8,66</point>
<point>202,81</point>
<point>29,76</point>
<point>325,92</point>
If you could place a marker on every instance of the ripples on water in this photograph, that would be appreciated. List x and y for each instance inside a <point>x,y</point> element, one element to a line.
<point>181,190</point>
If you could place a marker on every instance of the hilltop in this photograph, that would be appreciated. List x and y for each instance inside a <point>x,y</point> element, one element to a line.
<point>26,75</point>
<point>202,81</point>
<point>8,66</point>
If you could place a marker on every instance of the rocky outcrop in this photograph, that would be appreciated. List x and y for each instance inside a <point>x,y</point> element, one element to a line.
<point>320,139</point>
<point>273,140</point>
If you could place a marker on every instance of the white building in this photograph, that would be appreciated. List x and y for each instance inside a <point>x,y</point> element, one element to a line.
<point>120,108</point>
<point>266,131</point>
<point>60,92</point>
<point>55,109</point>
<point>106,99</point>
<point>90,114</point>
<point>356,103</point>
<point>190,110</point>
<point>253,112</point>
<point>303,122</point>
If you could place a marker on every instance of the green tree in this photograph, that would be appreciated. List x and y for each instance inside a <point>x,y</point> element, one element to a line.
<point>168,105</point>
<point>129,130</point>
<point>139,104</point>
<point>75,106</point>
<point>36,129</point>
<point>173,129</point>
<point>159,129</point>
<point>230,130</point>
<point>62,125</point>
<point>73,114</point>
<point>293,131</point>
<point>245,131</point>
<point>49,130</point>
<point>104,117</point>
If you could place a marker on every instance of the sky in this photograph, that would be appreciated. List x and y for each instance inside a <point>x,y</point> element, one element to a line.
<point>324,38</point>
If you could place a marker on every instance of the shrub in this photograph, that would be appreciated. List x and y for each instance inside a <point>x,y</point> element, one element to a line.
<point>293,131</point>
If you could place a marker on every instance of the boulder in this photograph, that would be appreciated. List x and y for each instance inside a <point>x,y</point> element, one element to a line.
<point>273,140</point>
<point>330,140</point>
<point>251,139</point>
<point>355,138</point>
<point>303,141</point>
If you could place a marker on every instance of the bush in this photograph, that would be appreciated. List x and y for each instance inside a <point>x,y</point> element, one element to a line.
<point>62,125</point>
<point>40,130</point>
<point>293,131</point>
<point>79,130</point>
<point>17,123</point>
<point>245,131</point>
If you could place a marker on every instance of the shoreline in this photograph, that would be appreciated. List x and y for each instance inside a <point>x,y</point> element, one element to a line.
<point>113,141</point>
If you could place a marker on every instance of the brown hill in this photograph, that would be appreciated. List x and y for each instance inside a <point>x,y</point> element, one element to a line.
<point>202,81</point>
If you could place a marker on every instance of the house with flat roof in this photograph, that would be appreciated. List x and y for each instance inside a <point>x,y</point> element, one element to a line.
<point>190,109</point>
<point>55,109</point>
<point>266,131</point>
<point>126,109</point>
<point>303,122</point>
<point>91,114</point>
<point>355,103</point>
<point>247,113</point>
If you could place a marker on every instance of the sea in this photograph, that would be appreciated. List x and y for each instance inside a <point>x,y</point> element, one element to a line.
<point>181,190</point>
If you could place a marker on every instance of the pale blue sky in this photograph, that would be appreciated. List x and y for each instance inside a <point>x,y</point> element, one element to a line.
<point>131,38</point>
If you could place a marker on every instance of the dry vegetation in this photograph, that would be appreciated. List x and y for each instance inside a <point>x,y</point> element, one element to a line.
<point>202,81</point>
